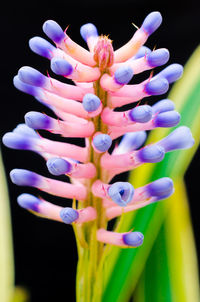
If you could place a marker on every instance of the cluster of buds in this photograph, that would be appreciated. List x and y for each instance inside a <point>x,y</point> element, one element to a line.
<point>87,109</point>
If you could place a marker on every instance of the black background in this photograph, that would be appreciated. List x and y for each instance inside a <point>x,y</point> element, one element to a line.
<point>45,251</point>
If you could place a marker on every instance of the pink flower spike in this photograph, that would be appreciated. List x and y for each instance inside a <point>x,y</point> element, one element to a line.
<point>86,214</point>
<point>120,239</point>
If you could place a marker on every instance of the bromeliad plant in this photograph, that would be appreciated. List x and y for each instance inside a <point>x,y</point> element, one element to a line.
<point>87,110</point>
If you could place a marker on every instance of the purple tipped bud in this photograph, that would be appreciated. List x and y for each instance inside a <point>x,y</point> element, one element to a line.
<point>163,106</point>
<point>53,31</point>
<point>41,47</point>
<point>17,141</point>
<point>152,154</point>
<point>88,30</point>
<point>157,86</point>
<point>123,75</point>
<point>158,57</point>
<point>180,138</point>
<point>143,51</point>
<point>152,22</point>
<point>172,72</point>
<point>141,114</point>
<point>102,142</point>
<point>131,141</point>
<point>58,166</point>
<point>23,177</point>
<point>121,193</point>
<point>37,120</point>
<point>133,239</point>
<point>91,102</point>
<point>61,67</point>
<point>31,76</point>
<point>25,87</point>
<point>167,119</point>
<point>23,129</point>
<point>29,202</point>
<point>69,215</point>
<point>161,188</point>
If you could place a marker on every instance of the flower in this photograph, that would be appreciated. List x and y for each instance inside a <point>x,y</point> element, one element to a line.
<point>86,109</point>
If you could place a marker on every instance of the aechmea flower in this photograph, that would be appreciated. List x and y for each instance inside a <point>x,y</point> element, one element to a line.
<point>91,108</point>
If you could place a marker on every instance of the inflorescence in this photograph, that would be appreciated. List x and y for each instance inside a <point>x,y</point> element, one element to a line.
<point>86,109</point>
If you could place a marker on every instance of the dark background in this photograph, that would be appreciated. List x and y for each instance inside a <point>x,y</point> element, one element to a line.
<point>45,251</point>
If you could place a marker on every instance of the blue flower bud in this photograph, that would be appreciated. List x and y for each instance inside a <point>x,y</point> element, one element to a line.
<point>24,130</point>
<point>123,75</point>
<point>58,166</point>
<point>131,141</point>
<point>37,120</point>
<point>133,239</point>
<point>151,154</point>
<point>141,114</point>
<point>25,87</point>
<point>161,188</point>
<point>163,106</point>
<point>158,57</point>
<point>142,52</point>
<point>31,76</point>
<point>102,142</point>
<point>171,73</point>
<point>23,177</point>
<point>69,215</point>
<point>53,30</point>
<point>121,193</point>
<point>91,102</point>
<point>152,22</point>
<point>41,47</point>
<point>17,141</point>
<point>61,67</point>
<point>157,86</point>
<point>88,30</point>
<point>180,138</point>
<point>28,201</point>
<point>167,119</point>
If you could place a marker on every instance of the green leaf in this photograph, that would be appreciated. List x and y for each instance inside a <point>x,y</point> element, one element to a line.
<point>6,248</point>
<point>172,263</point>
<point>125,266</point>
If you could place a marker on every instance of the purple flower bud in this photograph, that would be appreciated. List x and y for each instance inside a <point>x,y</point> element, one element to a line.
<point>29,202</point>
<point>152,22</point>
<point>157,86</point>
<point>37,120</point>
<point>131,141</point>
<point>102,142</point>
<point>121,193</point>
<point>88,30</point>
<point>161,188</point>
<point>23,129</point>
<point>142,52</point>
<point>151,154</point>
<point>23,177</point>
<point>141,114</point>
<point>123,75</point>
<point>171,73</point>
<point>167,119</point>
<point>91,102</point>
<point>31,76</point>
<point>158,57</point>
<point>17,141</point>
<point>58,166</point>
<point>25,87</point>
<point>41,47</point>
<point>61,67</point>
<point>163,106</point>
<point>69,215</point>
<point>133,239</point>
<point>180,138</point>
<point>53,30</point>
